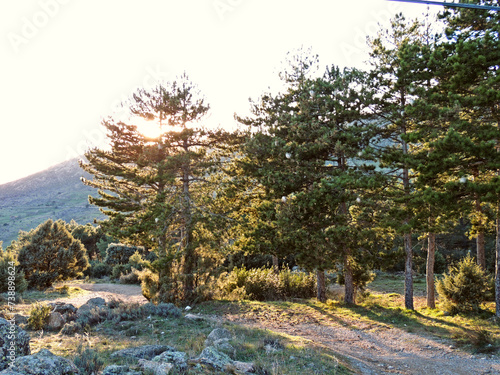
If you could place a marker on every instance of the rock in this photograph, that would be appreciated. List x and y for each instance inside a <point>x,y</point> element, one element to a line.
<point>96,301</point>
<point>212,357</point>
<point>20,319</point>
<point>221,362</point>
<point>171,356</point>
<point>218,334</point>
<point>43,363</point>
<point>158,368</point>
<point>225,347</point>
<point>55,322</point>
<point>244,367</point>
<point>21,342</point>
<point>119,370</point>
<point>194,317</point>
<point>142,352</point>
<point>84,309</point>
<point>63,308</point>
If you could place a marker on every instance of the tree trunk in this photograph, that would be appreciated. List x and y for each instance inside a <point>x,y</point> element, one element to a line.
<point>276,264</point>
<point>497,267</point>
<point>431,252</point>
<point>189,254</point>
<point>481,258</point>
<point>349,297</point>
<point>408,272</point>
<point>321,286</point>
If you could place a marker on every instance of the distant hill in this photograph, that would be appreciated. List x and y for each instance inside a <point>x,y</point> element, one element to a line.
<point>55,193</point>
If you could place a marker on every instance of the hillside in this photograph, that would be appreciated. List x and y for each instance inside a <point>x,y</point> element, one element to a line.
<point>55,193</point>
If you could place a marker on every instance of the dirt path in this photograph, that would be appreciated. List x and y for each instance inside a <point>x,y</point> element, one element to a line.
<point>389,351</point>
<point>127,293</point>
<point>371,349</point>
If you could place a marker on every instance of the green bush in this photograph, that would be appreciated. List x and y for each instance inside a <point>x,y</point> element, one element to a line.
<point>137,262</point>
<point>150,284</point>
<point>265,284</point>
<point>51,254</point>
<point>39,315</point>
<point>130,278</point>
<point>98,270</point>
<point>87,360</point>
<point>117,253</point>
<point>119,270</point>
<point>10,274</point>
<point>93,316</point>
<point>464,287</point>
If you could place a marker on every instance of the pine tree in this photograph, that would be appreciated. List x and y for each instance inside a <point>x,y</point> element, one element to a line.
<point>311,157</point>
<point>469,84</point>
<point>52,254</point>
<point>157,192</point>
<point>395,82</point>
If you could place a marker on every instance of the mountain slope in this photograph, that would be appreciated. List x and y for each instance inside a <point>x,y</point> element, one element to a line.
<point>55,193</point>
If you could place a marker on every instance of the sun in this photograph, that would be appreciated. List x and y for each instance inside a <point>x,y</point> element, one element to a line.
<point>149,129</point>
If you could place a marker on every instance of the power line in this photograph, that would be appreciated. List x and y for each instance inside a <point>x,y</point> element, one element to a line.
<point>452,5</point>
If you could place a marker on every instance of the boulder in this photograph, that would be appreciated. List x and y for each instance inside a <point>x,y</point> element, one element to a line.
<point>221,362</point>
<point>218,335</point>
<point>96,301</point>
<point>119,370</point>
<point>20,319</point>
<point>158,368</point>
<point>212,357</point>
<point>63,308</point>
<point>142,352</point>
<point>42,363</point>
<point>55,322</point>
<point>171,356</point>
<point>21,342</point>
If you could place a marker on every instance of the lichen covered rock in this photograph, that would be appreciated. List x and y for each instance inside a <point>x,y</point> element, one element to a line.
<point>14,342</point>
<point>42,363</point>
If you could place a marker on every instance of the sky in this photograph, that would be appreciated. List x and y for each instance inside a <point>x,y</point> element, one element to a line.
<point>67,64</point>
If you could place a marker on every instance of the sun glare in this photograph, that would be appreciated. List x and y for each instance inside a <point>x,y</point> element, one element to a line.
<point>152,129</point>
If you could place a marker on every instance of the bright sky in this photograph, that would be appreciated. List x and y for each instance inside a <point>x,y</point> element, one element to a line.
<point>66,64</point>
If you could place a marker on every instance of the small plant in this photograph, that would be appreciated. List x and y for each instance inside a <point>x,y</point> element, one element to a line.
<point>130,278</point>
<point>265,284</point>
<point>39,315</point>
<point>464,287</point>
<point>87,360</point>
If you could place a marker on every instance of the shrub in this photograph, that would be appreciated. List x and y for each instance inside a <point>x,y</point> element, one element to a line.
<point>119,270</point>
<point>464,287</point>
<point>52,254</point>
<point>162,309</point>
<point>98,270</point>
<point>10,274</point>
<point>71,328</point>
<point>150,284</point>
<point>137,262</point>
<point>39,315</point>
<point>265,284</point>
<point>93,316</point>
<point>87,360</point>
<point>130,278</point>
<point>120,253</point>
